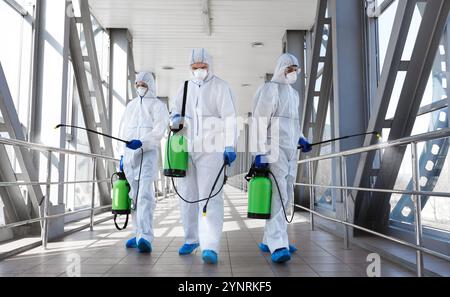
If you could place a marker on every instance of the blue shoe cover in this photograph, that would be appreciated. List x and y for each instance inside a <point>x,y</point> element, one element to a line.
<point>209,257</point>
<point>144,246</point>
<point>187,249</point>
<point>292,249</point>
<point>281,256</point>
<point>265,249</point>
<point>131,243</point>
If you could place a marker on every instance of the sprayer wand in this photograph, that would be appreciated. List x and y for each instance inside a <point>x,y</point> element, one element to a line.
<point>92,131</point>
<point>377,134</point>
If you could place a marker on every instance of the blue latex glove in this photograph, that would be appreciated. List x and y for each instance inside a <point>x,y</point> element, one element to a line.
<point>134,145</point>
<point>261,162</point>
<point>176,121</point>
<point>121,164</point>
<point>305,145</point>
<point>229,155</point>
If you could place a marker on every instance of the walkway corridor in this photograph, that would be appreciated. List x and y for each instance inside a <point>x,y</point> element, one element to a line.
<point>102,252</point>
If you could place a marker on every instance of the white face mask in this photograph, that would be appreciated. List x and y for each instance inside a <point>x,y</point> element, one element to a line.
<point>200,74</point>
<point>141,91</point>
<point>292,77</point>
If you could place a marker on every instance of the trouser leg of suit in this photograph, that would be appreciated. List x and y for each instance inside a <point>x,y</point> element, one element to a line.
<point>275,232</point>
<point>145,208</point>
<point>210,226</point>
<point>187,187</point>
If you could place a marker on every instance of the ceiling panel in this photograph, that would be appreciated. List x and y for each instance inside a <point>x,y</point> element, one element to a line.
<point>165,31</point>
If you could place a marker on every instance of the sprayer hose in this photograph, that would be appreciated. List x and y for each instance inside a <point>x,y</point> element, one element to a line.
<point>289,221</point>
<point>212,189</point>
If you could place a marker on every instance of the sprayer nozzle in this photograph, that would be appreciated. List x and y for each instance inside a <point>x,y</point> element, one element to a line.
<point>204,214</point>
<point>378,135</point>
<point>57,127</point>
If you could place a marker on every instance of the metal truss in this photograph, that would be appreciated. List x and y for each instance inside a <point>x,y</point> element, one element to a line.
<point>434,154</point>
<point>321,71</point>
<point>374,211</point>
<point>92,101</point>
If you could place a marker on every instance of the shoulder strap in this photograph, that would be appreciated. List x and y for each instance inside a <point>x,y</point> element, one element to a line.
<point>183,111</point>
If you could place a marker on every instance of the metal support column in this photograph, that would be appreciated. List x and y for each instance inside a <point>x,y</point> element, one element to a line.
<point>344,194</point>
<point>311,195</point>
<point>417,207</point>
<point>348,48</point>
<point>47,200</point>
<point>94,176</point>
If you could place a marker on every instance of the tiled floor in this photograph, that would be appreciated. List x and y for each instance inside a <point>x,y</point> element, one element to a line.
<point>102,252</point>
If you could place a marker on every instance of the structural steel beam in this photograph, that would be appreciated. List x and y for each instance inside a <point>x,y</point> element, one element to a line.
<point>349,106</point>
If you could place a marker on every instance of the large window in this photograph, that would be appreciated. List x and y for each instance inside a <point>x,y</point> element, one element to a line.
<point>434,155</point>
<point>16,60</point>
<point>16,55</point>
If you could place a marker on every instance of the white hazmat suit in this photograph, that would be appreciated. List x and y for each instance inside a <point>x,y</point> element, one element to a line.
<point>145,119</point>
<point>278,103</point>
<point>210,126</point>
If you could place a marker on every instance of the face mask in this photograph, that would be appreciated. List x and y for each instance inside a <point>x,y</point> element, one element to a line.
<point>291,77</point>
<point>200,74</point>
<point>141,91</point>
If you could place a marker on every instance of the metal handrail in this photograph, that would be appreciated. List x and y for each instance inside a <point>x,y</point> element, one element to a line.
<point>399,241</point>
<point>10,184</point>
<point>416,193</point>
<point>41,219</point>
<point>45,217</point>
<point>444,133</point>
<point>45,148</point>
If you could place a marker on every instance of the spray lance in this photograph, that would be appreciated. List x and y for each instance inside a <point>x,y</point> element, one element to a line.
<point>121,201</point>
<point>377,134</point>
<point>177,159</point>
<point>260,186</point>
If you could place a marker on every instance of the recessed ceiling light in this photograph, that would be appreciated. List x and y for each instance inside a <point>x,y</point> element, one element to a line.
<point>168,68</point>
<point>257,44</point>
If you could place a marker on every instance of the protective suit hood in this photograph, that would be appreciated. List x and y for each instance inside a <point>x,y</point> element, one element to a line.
<point>200,55</point>
<point>285,61</point>
<point>147,77</point>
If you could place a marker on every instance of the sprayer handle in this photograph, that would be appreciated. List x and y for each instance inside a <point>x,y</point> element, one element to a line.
<point>175,131</point>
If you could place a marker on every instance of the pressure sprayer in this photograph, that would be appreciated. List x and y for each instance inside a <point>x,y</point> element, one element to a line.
<point>122,204</point>
<point>177,159</point>
<point>260,187</point>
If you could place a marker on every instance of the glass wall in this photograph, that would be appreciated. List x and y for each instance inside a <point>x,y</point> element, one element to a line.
<point>433,115</point>
<point>16,60</point>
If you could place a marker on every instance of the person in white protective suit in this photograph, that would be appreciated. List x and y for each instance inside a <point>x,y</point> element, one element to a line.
<point>143,124</point>
<point>210,127</point>
<point>276,112</point>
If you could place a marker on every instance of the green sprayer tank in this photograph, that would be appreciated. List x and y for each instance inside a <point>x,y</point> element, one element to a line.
<point>176,159</point>
<point>121,201</point>
<point>259,195</point>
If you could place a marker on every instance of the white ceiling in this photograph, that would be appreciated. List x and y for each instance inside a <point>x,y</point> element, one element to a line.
<point>165,31</point>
